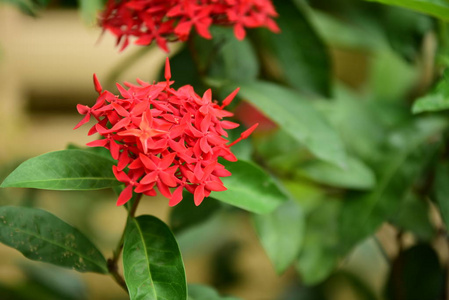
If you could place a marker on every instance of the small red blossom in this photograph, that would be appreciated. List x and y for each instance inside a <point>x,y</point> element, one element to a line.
<point>171,20</point>
<point>163,138</point>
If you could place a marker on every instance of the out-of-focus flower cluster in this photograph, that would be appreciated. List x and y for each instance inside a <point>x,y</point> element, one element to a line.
<point>164,138</point>
<point>171,20</point>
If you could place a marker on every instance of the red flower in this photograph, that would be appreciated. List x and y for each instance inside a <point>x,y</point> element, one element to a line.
<point>164,138</point>
<point>171,20</point>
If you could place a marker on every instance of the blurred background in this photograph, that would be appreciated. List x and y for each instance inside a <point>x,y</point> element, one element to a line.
<point>46,67</point>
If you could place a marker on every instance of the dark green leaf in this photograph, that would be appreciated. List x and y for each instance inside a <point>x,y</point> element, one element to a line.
<point>184,71</point>
<point>356,175</point>
<point>410,152</point>
<point>413,216</point>
<point>415,275</point>
<point>281,234</point>
<point>441,190</point>
<point>436,8</point>
<point>225,58</point>
<point>297,117</point>
<point>186,214</point>
<point>405,30</point>
<point>95,150</point>
<point>152,261</point>
<point>64,170</point>
<point>250,187</point>
<point>302,55</point>
<point>201,292</point>
<point>41,236</point>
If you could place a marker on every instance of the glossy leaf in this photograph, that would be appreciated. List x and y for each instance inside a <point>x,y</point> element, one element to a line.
<point>186,214</point>
<point>303,57</point>
<point>281,234</point>
<point>250,187</point>
<point>202,292</point>
<point>408,155</point>
<point>297,117</point>
<point>64,170</point>
<point>436,8</point>
<point>152,261</point>
<point>356,175</point>
<point>41,236</point>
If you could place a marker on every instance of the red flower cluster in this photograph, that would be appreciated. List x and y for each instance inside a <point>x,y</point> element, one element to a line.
<point>163,138</point>
<point>164,20</point>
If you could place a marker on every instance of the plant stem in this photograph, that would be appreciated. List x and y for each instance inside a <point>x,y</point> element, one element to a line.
<point>113,262</point>
<point>133,209</point>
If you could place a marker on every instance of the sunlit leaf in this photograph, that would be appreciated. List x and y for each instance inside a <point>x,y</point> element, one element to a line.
<point>436,100</point>
<point>436,8</point>
<point>250,187</point>
<point>298,117</point>
<point>64,170</point>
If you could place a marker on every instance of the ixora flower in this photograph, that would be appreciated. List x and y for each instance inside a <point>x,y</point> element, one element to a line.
<point>162,137</point>
<point>171,20</point>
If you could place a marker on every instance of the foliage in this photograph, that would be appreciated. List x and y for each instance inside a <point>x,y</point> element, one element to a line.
<point>336,156</point>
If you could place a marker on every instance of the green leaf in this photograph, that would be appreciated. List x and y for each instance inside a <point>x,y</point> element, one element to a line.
<point>186,214</point>
<point>90,9</point>
<point>441,190</point>
<point>436,8</point>
<point>300,52</point>
<point>152,261</point>
<point>413,216</point>
<point>410,151</point>
<point>318,256</point>
<point>296,116</point>
<point>281,234</point>
<point>202,292</point>
<point>436,100</point>
<point>64,170</point>
<point>250,187</point>
<point>416,274</point>
<point>225,58</point>
<point>356,175</point>
<point>431,102</point>
<point>42,236</point>
<point>95,150</point>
